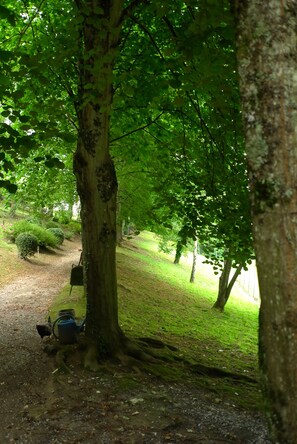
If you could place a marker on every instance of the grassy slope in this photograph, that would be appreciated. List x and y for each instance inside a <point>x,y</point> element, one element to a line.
<point>157,300</point>
<point>10,266</point>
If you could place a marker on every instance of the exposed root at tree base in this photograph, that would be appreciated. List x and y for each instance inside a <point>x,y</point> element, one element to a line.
<point>132,354</point>
<point>137,355</point>
<point>214,372</point>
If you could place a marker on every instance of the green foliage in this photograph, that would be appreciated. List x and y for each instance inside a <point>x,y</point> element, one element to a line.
<point>7,14</point>
<point>175,78</point>
<point>190,157</point>
<point>68,234</point>
<point>52,224</point>
<point>27,244</point>
<point>74,226</point>
<point>58,232</point>
<point>62,217</point>
<point>34,220</point>
<point>19,227</point>
<point>36,147</point>
<point>44,237</point>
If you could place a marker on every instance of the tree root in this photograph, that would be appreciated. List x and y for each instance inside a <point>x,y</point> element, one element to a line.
<point>136,355</point>
<point>132,353</point>
<point>90,359</point>
<point>134,350</point>
<point>61,358</point>
<point>214,372</point>
<point>61,353</point>
<point>156,343</point>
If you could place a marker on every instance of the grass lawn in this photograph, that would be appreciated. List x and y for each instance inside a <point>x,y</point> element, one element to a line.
<point>157,300</point>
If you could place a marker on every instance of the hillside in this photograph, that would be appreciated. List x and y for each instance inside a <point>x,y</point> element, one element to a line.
<point>177,400</point>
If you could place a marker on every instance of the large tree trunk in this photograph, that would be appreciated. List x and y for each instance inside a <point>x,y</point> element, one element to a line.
<point>95,173</point>
<point>225,286</point>
<point>267,57</point>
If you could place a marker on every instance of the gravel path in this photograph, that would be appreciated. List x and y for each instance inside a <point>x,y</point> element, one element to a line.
<point>25,368</point>
<point>43,406</point>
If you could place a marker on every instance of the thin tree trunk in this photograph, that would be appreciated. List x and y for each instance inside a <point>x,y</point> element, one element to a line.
<point>193,272</point>
<point>178,252</point>
<point>225,286</point>
<point>267,67</point>
<point>95,173</point>
<point>70,211</point>
<point>120,222</point>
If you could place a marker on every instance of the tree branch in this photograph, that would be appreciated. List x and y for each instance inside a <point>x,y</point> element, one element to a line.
<point>137,129</point>
<point>144,28</point>
<point>29,24</point>
<point>169,25</point>
<point>196,105</point>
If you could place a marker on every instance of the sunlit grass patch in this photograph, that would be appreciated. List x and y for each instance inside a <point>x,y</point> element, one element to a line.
<point>65,300</point>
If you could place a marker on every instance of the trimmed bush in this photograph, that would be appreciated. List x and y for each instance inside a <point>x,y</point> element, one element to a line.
<point>44,237</point>
<point>52,224</point>
<point>27,244</point>
<point>34,220</point>
<point>21,226</point>
<point>58,233</point>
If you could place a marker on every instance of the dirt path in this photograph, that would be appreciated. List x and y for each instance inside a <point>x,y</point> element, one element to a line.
<point>25,368</point>
<point>43,406</point>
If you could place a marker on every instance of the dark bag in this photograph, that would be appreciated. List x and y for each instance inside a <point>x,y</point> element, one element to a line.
<point>77,275</point>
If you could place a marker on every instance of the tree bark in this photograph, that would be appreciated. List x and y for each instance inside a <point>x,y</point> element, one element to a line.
<point>267,59</point>
<point>193,271</point>
<point>225,286</point>
<point>95,173</point>
<point>178,252</point>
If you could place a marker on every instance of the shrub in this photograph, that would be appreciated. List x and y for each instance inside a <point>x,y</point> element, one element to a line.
<point>33,220</point>
<point>62,217</point>
<point>21,226</point>
<point>52,224</point>
<point>27,244</point>
<point>58,233</point>
<point>68,234</point>
<point>44,237</point>
<point>74,226</point>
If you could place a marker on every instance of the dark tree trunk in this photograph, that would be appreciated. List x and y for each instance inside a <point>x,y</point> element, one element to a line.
<point>225,286</point>
<point>95,173</point>
<point>178,252</point>
<point>193,272</point>
<point>267,60</point>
